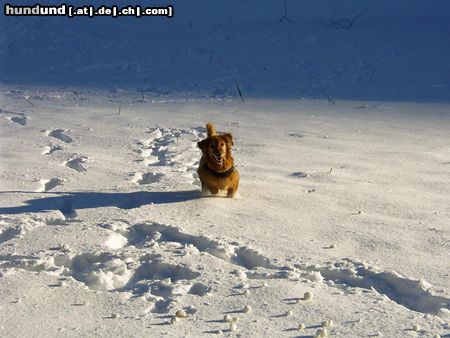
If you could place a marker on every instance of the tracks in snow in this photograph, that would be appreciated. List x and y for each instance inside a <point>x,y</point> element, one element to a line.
<point>156,259</point>
<point>242,256</point>
<point>75,161</point>
<point>412,294</point>
<point>16,227</point>
<point>169,152</point>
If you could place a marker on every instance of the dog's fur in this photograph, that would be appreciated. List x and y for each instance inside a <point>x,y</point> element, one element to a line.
<point>216,169</point>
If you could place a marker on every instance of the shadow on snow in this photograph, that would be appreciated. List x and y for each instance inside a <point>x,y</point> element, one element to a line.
<point>68,203</point>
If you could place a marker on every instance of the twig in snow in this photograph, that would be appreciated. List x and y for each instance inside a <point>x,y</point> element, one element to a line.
<point>371,75</point>
<point>213,56</point>
<point>284,17</point>
<point>324,92</point>
<point>345,23</point>
<point>330,99</point>
<point>27,98</point>
<point>239,91</point>
<point>10,112</point>
<point>233,78</point>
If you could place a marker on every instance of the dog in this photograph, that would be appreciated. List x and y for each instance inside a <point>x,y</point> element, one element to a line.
<point>216,168</point>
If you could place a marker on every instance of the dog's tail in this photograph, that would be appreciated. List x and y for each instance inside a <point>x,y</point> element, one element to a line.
<point>211,130</point>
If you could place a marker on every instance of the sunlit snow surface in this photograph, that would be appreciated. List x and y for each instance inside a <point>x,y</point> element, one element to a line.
<point>340,137</point>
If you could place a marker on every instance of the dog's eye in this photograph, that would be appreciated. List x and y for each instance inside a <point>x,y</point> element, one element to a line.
<point>221,144</point>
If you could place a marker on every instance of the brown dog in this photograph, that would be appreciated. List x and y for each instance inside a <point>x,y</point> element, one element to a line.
<point>216,169</point>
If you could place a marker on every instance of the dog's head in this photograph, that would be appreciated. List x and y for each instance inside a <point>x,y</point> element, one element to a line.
<point>217,148</point>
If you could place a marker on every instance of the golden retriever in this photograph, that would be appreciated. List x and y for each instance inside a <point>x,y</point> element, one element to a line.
<point>216,168</point>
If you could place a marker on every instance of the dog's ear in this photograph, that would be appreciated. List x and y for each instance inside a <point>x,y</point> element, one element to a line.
<point>203,145</point>
<point>211,130</point>
<point>228,138</point>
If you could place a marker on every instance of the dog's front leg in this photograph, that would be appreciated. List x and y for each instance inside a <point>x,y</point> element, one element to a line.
<point>213,190</point>
<point>231,192</point>
<point>204,187</point>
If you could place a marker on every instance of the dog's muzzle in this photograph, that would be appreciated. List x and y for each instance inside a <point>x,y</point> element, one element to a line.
<point>217,158</point>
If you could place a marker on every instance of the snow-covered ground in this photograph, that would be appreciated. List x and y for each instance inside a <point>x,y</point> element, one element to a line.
<point>342,143</point>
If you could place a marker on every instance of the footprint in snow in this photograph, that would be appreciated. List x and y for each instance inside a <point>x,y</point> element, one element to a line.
<point>296,135</point>
<point>60,135</point>
<point>9,233</point>
<point>49,184</point>
<point>22,120</point>
<point>76,163</point>
<point>147,178</point>
<point>299,174</point>
<point>50,149</point>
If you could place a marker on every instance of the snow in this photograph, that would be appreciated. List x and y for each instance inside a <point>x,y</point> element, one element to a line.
<point>341,142</point>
